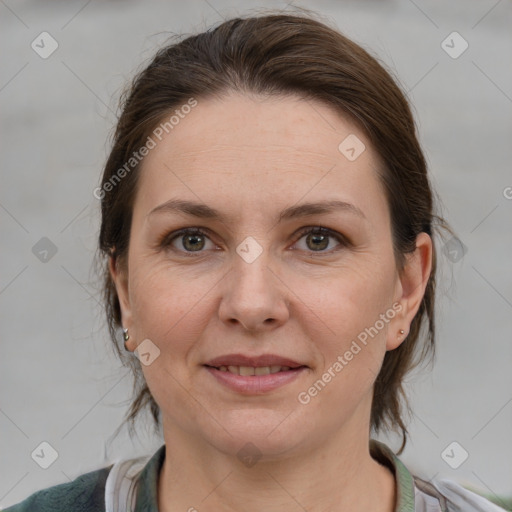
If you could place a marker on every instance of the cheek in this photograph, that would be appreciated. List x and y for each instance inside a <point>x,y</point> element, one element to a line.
<point>345,327</point>
<point>347,317</point>
<point>168,307</point>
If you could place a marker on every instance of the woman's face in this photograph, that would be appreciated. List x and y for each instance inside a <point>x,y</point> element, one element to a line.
<point>255,283</point>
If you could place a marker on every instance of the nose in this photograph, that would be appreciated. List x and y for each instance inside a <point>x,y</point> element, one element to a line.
<point>253,296</point>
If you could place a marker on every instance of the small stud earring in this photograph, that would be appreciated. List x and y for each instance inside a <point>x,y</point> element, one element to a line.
<point>401,332</point>
<point>126,337</point>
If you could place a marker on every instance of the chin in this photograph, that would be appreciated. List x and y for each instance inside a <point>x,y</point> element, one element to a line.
<point>268,433</point>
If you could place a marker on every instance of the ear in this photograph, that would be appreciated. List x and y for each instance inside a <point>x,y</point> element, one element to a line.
<point>119,274</point>
<point>411,286</point>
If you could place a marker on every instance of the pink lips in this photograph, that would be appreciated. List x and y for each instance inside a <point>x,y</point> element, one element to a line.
<point>254,384</point>
<point>242,360</point>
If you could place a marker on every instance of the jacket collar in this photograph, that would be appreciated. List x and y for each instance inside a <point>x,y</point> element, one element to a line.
<point>403,478</point>
<point>147,489</point>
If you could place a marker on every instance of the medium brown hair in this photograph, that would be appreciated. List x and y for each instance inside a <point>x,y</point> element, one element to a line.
<point>276,54</point>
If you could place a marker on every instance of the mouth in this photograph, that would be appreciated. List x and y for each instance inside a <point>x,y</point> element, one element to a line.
<point>248,371</point>
<point>254,382</point>
<point>272,361</point>
<point>254,375</point>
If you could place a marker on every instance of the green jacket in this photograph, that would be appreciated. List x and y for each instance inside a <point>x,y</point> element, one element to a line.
<point>87,492</point>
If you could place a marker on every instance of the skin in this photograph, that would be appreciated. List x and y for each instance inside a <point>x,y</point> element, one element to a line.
<point>251,157</point>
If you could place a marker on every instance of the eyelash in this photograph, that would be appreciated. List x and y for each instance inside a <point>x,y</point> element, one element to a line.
<point>166,240</point>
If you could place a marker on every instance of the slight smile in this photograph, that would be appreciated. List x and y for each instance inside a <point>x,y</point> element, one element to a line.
<point>254,375</point>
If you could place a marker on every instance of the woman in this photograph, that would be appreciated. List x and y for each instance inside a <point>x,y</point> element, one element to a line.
<point>268,236</point>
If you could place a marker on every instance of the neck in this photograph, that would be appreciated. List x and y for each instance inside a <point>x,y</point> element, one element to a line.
<point>334,476</point>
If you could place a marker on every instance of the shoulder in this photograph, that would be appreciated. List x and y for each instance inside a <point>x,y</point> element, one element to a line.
<point>84,493</point>
<point>449,496</point>
<point>417,495</point>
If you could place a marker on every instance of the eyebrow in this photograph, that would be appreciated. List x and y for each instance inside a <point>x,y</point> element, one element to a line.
<point>203,211</point>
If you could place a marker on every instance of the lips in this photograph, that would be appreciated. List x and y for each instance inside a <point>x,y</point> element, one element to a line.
<point>253,370</point>
<point>241,360</point>
<point>254,375</point>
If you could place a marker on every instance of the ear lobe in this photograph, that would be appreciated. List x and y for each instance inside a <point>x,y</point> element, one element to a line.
<point>413,281</point>
<point>119,276</point>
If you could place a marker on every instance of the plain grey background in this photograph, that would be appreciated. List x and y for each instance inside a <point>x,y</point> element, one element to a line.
<point>59,380</point>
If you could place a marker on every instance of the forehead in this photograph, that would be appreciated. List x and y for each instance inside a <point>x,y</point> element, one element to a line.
<point>260,151</point>
<point>289,125</point>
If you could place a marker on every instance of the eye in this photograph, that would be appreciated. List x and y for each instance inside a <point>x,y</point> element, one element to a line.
<point>318,238</point>
<point>188,240</point>
<point>194,240</point>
